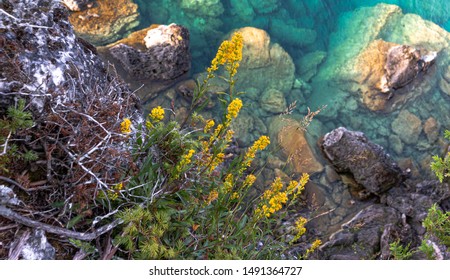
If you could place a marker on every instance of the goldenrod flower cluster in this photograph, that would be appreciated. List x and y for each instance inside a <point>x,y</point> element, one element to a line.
<point>157,114</point>
<point>295,187</point>
<point>209,124</point>
<point>275,197</point>
<point>228,183</point>
<point>234,196</point>
<point>218,159</point>
<point>259,144</point>
<point>228,54</point>
<point>233,109</point>
<point>249,180</point>
<point>125,126</point>
<point>185,160</point>
<point>313,247</point>
<point>213,195</point>
<point>299,228</point>
<point>113,193</point>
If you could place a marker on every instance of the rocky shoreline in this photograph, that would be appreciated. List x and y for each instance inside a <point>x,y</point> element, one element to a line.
<point>368,152</point>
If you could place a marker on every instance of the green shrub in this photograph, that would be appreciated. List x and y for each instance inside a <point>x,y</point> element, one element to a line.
<point>441,166</point>
<point>437,223</point>
<point>189,197</point>
<point>16,120</point>
<point>400,252</point>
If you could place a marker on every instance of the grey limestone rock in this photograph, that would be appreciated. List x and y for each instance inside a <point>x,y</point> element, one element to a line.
<point>361,237</point>
<point>166,56</point>
<point>371,167</point>
<point>37,247</point>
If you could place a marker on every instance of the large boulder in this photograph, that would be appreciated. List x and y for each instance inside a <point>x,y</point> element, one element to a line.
<point>76,103</point>
<point>352,153</point>
<point>151,59</point>
<point>407,126</point>
<point>264,64</point>
<point>59,64</point>
<point>105,22</point>
<point>155,53</point>
<point>382,57</point>
<point>290,137</point>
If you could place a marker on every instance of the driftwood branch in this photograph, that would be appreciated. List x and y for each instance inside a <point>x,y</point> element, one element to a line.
<point>11,215</point>
<point>15,251</point>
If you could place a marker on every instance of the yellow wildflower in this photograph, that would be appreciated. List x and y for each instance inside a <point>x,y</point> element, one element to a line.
<point>313,247</point>
<point>300,225</point>
<point>118,186</point>
<point>218,130</point>
<point>292,186</point>
<point>113,192</point>
<point>218,159</point>
<point>249,180</point>
<point>299,228</point>
<point>185,160</point>
<point>262,142</point>
<point>233,109</point>
<point>125,126</point>
<point>273,199</point>
<point>277,201</point>
<point>157,114</point>
<point>235,195</point>
<point>209,124</point>
<point>259,144</point>
<point>228,184</point>
<point>229,135</point>
<point>213,195</point>
<point>229,53</point>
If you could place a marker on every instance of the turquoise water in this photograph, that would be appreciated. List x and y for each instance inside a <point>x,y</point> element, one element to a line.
<point>209,26</point>
<point>339,30</point>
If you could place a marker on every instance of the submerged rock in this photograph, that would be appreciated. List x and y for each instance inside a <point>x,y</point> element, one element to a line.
<point>403,64</point>
<point>308,65</point>
<point>203,8</point>
<point>291,138</point>
<point>273,101</point>
<point>407,126</point>
<point>292,35</point>
<point>351,152</point>
<point>105,22</point>
<point>264,64</point>
<point>382,57</point>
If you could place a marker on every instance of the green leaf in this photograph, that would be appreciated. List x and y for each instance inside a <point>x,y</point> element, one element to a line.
<point>75,221</point>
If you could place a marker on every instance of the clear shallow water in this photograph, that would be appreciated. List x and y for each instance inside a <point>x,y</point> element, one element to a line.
<point>208,28</point>
<point>322,21</point>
